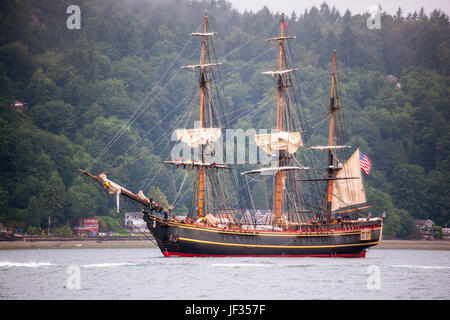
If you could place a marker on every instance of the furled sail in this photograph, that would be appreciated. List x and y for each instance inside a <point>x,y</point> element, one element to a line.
<point>282,140</point>
<point>199,136</point>
<point>348,191</point>
<point>112,188</point>
<point>275,169</point>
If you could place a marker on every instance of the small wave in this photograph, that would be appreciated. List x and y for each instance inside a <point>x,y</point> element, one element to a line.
<point>26,264</point>
<point>105,265</point>
<point>241,265</point>
<point>297,265</point>
<point>419,267</point>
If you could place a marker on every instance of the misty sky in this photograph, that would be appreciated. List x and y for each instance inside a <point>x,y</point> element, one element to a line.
<point>355,6</point>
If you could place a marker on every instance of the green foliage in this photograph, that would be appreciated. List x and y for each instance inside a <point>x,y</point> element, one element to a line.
<point>33,230</point>
<point>437,231</point>
<point>17,60</point>
<point>81,86</point>
<point>399,224</point>
<point>158,196</point>
<point>80,199</point>
<point>64,231</point>
<point>33,214</point>
<point>111,224</point>
<point>3,199</point>
<point>54,116</point>
<point>52,199</point>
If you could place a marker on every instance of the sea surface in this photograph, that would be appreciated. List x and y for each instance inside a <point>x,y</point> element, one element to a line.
<point>142,273</point>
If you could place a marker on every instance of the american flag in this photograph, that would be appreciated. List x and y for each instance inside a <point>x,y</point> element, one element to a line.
<point>364,163</point>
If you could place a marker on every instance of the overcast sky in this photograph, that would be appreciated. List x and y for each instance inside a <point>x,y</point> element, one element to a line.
<point>355,6</point>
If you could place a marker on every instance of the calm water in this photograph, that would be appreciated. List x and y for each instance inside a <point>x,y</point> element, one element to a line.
<point>146,274</point>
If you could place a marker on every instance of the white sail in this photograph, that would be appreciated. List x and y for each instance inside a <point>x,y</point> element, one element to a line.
<point>328,147</point>
<point>350,191</point>
<point>199,136</point>
<point>275,169</point>
<point>282,140</point>
<point>112,188</point>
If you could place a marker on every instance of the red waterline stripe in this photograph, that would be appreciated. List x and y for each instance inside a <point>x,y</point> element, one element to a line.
<point>361,254</point>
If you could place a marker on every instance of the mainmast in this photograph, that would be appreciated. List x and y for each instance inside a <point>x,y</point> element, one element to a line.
<point>281,88</point>
<point>282,141</point>
<point>279,175</point>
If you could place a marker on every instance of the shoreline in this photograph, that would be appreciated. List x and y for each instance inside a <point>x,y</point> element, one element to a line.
<point>145,243</point>
<point>413,244</point>
<point>75,244</point>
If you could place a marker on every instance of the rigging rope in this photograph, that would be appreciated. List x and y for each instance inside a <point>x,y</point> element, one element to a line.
<point>179,190</point>
<point>126,125</point>
<point>146,134</point>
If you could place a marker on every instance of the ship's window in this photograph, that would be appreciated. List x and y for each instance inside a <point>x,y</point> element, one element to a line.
<point>365,235</point>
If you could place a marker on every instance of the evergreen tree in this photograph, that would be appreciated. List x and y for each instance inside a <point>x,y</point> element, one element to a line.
<point>398,14</point>
<point>33,213</point>
<point>52,200</point>
<point>348,45</point>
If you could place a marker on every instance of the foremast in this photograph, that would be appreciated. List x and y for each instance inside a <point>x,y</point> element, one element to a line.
<point>201,136</point>
<point>205,133</point>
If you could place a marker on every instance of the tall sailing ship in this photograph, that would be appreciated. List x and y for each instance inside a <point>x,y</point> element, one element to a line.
<point>310,215</point>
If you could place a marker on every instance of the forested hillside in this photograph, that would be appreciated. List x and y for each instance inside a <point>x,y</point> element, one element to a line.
<point>81,87</point>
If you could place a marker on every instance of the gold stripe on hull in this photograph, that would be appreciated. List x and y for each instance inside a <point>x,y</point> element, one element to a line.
<point>268,234</point>
<point>276,246</point>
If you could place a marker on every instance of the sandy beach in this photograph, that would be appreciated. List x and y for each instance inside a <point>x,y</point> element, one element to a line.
<point>11,245</point>
<point>414,244</point>
<point>94,243</point>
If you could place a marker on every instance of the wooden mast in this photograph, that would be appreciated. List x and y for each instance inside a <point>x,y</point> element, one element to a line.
<point>201,178</point>
<point>279,175</point>
<point>331,169</point>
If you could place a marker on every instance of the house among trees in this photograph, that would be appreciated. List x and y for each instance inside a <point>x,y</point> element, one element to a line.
<point>4,231</point>
<point>134,222</point>
<point>88,226</point>
<point>446,233</point>
<point>18,105</point>
<point>393,79</point>
<point>425,228</point>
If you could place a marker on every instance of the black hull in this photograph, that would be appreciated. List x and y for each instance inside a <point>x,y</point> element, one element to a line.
<point>179,239</point>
